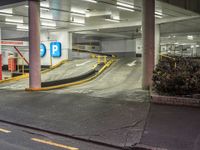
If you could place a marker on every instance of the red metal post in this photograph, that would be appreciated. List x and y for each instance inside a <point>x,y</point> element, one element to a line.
<point>18,51</point>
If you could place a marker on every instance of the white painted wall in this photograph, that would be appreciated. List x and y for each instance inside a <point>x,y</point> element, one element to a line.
<point>118,45</point>
<point>139,46</point>
<point>59,36</point>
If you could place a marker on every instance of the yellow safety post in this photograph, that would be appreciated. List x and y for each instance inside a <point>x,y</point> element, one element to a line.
<point>105,59</point>
<point>98,59</point>
<point>174,59</point>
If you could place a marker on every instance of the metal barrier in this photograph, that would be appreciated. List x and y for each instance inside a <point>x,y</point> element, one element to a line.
<point>165,56</point>
<point>101,59</point>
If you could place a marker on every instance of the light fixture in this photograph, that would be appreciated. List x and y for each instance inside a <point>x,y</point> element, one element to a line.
<point>125,5</point>
<point>112,20</point>
<point>92,1</point>
<point>124,8</point>
<point>6,12</point>
<point>46,27</point>
<point>14,19</point>
<point>190,37</point>
<point>48,23</point>
<point>158,16</point>
<point>197,45</point>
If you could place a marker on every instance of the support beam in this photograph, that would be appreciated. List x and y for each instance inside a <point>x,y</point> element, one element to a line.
<point>148,36</point>
<point>34,44</point>
<point>1,59</point>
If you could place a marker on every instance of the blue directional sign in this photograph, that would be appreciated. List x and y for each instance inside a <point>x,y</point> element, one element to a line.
<point>42,50</point>
<point>55,49</point>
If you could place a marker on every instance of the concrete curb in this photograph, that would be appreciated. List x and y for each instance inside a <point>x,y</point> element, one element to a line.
<point>174,100</point>
<point>145,147</point>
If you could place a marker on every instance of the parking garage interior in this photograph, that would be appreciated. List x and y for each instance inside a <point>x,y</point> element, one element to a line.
<point>106,27</point>
<point>78,72</point>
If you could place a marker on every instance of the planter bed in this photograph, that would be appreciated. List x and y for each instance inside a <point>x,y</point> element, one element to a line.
<point>174,100</point>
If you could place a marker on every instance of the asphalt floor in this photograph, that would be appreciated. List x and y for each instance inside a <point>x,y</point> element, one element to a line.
<point>101,111</point>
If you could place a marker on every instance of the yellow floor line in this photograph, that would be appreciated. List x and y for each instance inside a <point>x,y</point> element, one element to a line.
<point>54,144</point>
<point>73,83</point>
<point>4,131</point>
<point>13,79</point>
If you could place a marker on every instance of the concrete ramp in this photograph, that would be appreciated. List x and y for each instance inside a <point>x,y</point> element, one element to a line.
<point>122,81</point>
<point>66,70</point>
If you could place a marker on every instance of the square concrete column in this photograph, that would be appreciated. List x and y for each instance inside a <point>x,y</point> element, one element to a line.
<point>34,45</point>
<point>148,38</point>
<point>1,58</point>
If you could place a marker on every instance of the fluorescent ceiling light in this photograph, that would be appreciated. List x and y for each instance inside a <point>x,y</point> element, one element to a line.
<point>9,23</point>
<point>190,37</point>
<point>22,26</point>
<point>158,13</point>
<point>6,12</point>
<point>14,19</point>
<point>49,24</point>
<point>123,8</point>
<point>112,20</point>
<point>157,16</point>
<point>45,9</point>
<point>197,45</point>
<point>125,5</point>
<point>45,4</point>
<point>92,1</point>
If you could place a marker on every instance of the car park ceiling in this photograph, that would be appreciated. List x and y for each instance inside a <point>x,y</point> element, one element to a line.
<point>94,15</point>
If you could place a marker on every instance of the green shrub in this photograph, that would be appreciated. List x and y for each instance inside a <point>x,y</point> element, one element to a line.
<point>180,79</point>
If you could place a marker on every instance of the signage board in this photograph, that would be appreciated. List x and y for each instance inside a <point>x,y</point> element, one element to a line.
<point>42,50</point>
<point>55,49</point>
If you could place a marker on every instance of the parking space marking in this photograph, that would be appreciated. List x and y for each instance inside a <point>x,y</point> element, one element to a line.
<point>54,144</point>
<point>4,131</point>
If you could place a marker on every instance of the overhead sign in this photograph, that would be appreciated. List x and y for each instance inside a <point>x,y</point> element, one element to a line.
<point>55,49</point>
<point>42,50</point>
<point>13,43</point>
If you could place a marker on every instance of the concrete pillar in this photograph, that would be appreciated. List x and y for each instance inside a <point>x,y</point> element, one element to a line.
<point>1,58</point>
<point>34,44</point>
<point>148,36</point>
<point>157,43</point>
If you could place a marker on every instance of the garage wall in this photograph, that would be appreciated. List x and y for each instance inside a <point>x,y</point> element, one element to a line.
<point>119,47</point>
<point>59,36</point>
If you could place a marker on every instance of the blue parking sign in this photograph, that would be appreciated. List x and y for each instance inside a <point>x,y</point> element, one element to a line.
<point>55,49</point>
<point>42,50</point>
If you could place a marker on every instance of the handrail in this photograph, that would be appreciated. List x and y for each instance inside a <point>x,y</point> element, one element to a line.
<point>21,55</point>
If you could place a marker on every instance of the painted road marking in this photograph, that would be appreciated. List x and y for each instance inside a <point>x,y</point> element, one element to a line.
<point>132,63</point>
<point>4,131</point>
<point>54,144</point>
<point>82,64</point>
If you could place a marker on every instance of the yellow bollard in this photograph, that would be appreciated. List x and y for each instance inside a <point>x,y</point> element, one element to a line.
<point>105,59</point>
<point>98,59</point>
